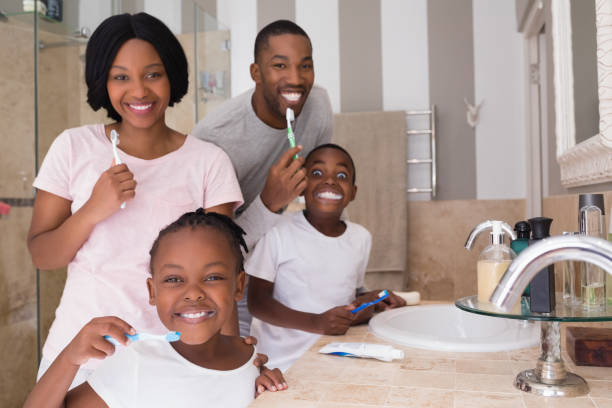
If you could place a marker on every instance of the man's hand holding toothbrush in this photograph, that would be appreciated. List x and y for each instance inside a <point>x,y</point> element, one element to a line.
<point>286,180</point>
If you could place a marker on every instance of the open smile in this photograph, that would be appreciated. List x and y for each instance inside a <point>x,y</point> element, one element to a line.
<point>329,195</point>
<point>196,317</point>
<point>292,96</point>
<point>140,108</point>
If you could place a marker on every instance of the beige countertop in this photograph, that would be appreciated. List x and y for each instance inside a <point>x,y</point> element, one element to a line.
<point>423,379</point>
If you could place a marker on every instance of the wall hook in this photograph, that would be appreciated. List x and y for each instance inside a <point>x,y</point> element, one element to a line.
<point>472,112</point>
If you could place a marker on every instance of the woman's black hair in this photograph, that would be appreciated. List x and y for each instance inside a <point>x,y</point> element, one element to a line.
<point>202,219</point>
<point>110,36</point>
<point>337,147</point>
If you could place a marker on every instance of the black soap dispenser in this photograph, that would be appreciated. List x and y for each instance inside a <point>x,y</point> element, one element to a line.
<point>523,233</point>
<point>542,286</point>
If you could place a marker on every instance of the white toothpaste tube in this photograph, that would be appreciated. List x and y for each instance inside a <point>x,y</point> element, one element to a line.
<point>382,352</point>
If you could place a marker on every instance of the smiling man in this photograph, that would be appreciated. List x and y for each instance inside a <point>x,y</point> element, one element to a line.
<point>252,129</point>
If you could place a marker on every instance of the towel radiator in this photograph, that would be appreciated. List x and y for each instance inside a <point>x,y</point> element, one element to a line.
<point>431,159</point>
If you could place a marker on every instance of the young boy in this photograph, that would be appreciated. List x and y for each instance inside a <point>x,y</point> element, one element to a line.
<point>305,272</point>
<point>196,276</point>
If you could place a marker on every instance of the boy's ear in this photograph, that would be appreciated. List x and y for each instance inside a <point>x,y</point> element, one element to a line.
<point>354,192</point>
<point>255,73</point>
<point>151,289</point>
<point>240,285</point>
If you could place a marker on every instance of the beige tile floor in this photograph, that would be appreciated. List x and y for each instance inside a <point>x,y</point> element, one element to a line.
<point>423,379</point>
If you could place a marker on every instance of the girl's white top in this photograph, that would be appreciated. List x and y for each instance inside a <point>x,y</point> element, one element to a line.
<point>108,274</point>
<point>152,374</point>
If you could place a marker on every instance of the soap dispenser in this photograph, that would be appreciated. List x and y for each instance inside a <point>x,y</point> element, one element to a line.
<point>494,259</point>
<point>523,232</point>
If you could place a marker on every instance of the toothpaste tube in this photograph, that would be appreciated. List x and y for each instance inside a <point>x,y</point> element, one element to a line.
<point>382,352</point>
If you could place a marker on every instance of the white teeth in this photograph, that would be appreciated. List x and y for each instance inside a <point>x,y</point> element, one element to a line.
<point>195,315</point>
<point>141,107</point>
<point>292,97</point>
<point>329,195</point>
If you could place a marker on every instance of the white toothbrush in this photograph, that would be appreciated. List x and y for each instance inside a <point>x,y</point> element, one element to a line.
<point>114,137</point>
<point>290,118</point>
<point>170,337</point>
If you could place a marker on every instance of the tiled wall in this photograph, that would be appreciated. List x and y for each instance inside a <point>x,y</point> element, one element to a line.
<point>438,265</point>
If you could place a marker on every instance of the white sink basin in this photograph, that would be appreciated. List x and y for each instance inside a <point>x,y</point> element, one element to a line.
<point>447,328</point>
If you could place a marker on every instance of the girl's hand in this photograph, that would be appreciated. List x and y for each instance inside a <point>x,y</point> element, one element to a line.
<point>271,380</point>
<point>115,186</point>
<point>90,342</point>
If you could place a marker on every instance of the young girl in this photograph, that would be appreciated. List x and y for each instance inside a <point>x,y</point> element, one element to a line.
<point>197,274</point>
<point>135,69</point>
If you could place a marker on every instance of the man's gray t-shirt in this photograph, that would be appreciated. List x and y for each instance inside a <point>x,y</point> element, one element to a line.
<point>253,146</point>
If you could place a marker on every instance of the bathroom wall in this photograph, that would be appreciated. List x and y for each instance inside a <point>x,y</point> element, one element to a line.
<point>438,265</point>
<point>399,55</point>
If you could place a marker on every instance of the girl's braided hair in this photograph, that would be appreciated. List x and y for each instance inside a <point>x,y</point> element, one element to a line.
<point>202,219</point>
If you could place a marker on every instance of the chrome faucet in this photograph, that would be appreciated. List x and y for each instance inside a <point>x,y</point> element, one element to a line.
<point>546,252</point>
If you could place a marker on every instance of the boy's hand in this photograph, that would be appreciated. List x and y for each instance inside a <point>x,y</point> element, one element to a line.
<point>115,186</point>
<point>390,302</point>
<point>335,321</point>
<point>286,180</point>
<point>260,359</point>
<point>90,342</point>
<point>271,380</point>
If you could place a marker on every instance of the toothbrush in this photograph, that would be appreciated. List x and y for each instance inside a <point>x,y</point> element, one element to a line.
<point>290,118</point>
<point>170,336</point>
<point>381,295</point>
<point>114,137</point>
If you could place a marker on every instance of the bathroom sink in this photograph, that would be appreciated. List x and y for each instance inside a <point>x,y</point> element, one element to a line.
<point>447,328</point>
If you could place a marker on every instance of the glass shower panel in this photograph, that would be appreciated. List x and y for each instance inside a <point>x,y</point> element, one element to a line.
<point>212,66</point>
<point>18,334</point>
<point>61,46</point>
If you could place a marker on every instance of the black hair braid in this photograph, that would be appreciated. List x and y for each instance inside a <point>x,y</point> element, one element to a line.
<point>201,219</point>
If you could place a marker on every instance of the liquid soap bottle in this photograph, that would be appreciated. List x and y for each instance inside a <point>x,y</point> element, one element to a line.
<point>494,259</point>
<point>542,286</point>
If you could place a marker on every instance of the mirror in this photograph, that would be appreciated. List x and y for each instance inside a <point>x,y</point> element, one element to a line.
<point>586,162</point>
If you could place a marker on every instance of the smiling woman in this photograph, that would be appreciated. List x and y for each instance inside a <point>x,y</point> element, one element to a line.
<point>78,220</point>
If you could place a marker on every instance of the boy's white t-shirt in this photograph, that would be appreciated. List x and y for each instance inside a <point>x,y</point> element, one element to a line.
<point>311,273</point>
<point>152,374</point>
<point>107,276</point>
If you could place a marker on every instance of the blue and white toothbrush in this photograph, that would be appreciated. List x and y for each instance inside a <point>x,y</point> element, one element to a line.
<point>383,294</point>
<point>170,337</point>
<point>290,118</point>
<point>114,137</point>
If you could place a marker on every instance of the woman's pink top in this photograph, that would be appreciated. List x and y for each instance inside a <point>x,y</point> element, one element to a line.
<point>108,274</point>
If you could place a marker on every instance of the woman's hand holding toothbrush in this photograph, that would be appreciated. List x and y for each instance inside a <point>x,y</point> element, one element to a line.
<point>90,343</point>
<point>114,186</point>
